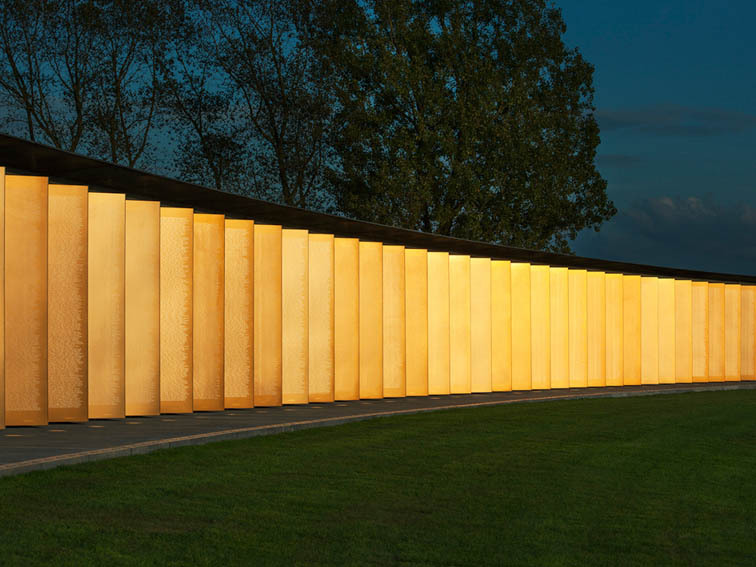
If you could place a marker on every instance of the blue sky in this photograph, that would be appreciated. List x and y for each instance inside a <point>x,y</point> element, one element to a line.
<point>675,86</point>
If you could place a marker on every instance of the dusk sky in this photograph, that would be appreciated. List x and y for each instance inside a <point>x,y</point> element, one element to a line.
<point>675,96</point>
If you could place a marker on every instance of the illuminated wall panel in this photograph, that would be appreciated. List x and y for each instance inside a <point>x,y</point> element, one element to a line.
<point>578,325</point>
<point>683,332</point>
<point>716,332</point>
<point>614,330</point>
<point>371,320</point>
<point>480,324</point>
<point>459,323</point>
<point>321,318</point>
<point>142,318</point>
<point>596,332</point>
<point>176,272</point>
<point>631,330</point>
<point>106,306</point>
<point>238,320</point>
<point>666,331</point>
<point>267,334</point>
<point>416,313</point>
<point>347,319</point>
<point>732,332</point>
<point>521,342</point>
<point>700,330</point>
<point>540,328</point>
<point>501,326</point>
<point>394,339</point>
<point>560,330</point>
<point>649,330</point>
<point>2,297</point>
<point>208,310</point>
<point>438,323</point>
<point>296,358</point>
<point>747,331</point>
<point>67,303</point>
<point>25,300</point>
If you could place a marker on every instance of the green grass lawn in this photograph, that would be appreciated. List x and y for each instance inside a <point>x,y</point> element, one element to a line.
<point>656,480</point>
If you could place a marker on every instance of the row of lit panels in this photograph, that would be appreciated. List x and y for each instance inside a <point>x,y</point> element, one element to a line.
<point>116,307</point>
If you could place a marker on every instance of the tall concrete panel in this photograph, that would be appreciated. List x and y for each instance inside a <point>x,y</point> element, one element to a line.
<point>416,313</point>
<point>208,312</point>
<point>238,318</point>
<point>480,325</point>
<point>26,202</point>
<point>560,330</point>
<point>394,323</point>
<point>268,340</point>
<point>321,318</point>
<point>501,326</point>
<point>296,322</point>
<point>142,316</point>
<point>106,306</point>
<point>67,303</point>
<point>176,273</point>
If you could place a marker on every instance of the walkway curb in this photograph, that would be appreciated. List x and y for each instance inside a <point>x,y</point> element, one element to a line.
<point>246,432</point>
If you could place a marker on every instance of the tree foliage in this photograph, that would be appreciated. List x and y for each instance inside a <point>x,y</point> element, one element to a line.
<point>466,118</point>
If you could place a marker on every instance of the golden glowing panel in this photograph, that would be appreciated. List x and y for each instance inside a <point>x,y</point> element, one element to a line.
<point>371,320</point>
<point>540,327</point>
<point>438,323</point>
<point>67,303</point>
<point>208,312</point>
<point>416,313</point>
<point>596,333</point>
<point>683,332</point>
<point>394,340</point>
<point>238,318</point>
<point>459,324</point>
<point>666,331</point>
<point>700,330</point>
<point>631,329</point>
<point>106,306</point>
<point>480,324</point>
<point>501,326</point>
<point>578,325</point>
<point>747,334</point>
<point>176,251</point>
<point>267,336</point>
<point>521,342</point>
<point>25,300</point>
<point>559,321</point>
<point>296,358</point>
<point>142,308</point>
<point>2,297</point>
<point>716,332</point>
<point>614,327</point>
<point>732,332</point>
<point>649,330</point>
<point>321,318</point>
<point>346,319</point>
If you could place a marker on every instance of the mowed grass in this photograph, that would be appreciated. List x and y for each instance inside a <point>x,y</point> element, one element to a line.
<point>659,480</point>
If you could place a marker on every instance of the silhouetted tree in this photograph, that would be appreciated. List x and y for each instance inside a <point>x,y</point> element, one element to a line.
<point>467,118</point>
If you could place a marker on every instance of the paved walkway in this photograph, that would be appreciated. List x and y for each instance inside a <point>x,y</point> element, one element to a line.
<point>24,449</point>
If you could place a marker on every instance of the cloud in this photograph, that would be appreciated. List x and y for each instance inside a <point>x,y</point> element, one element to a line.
<point>682,232</point>
<point>676,120</point>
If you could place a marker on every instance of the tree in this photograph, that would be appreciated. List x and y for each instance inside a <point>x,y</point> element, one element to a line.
<point>466,118</point>
<point>285,107</point>
<point>132,39</point>
<point>47,70</point>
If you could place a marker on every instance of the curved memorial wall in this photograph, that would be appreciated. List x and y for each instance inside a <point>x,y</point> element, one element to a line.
<point>130,294</point>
